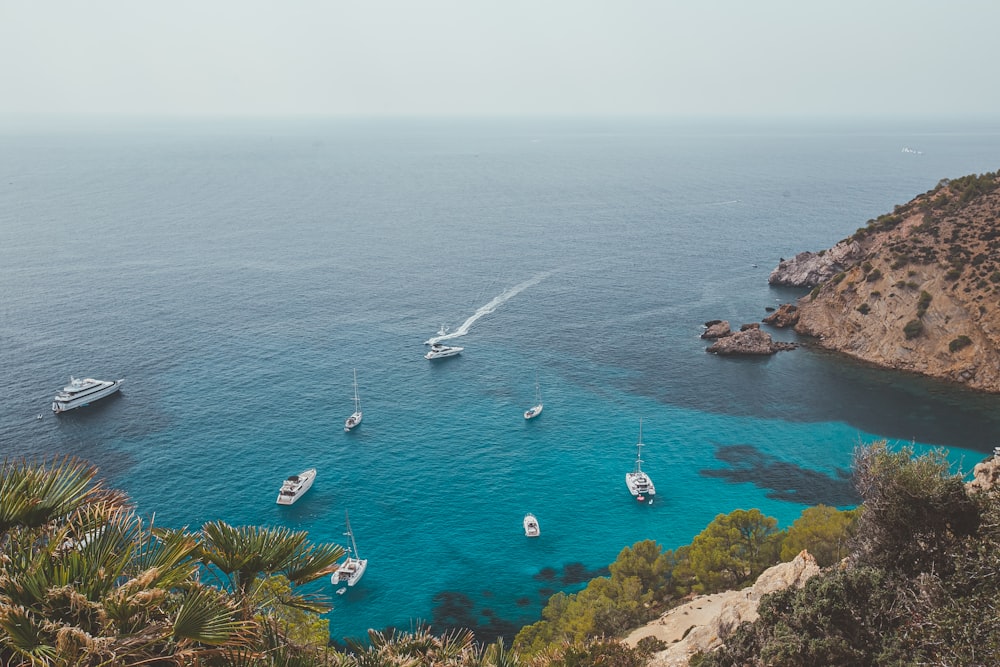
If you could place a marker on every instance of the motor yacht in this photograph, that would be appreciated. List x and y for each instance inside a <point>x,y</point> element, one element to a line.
<point>439,351</point>
<point>295,486</point>
<point>79,393</point>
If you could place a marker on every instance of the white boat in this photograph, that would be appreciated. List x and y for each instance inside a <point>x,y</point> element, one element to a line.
<point>295,486</point>
<point>536,409</point>
<point>639,484</point>
<point>351,570</point>
<point>355,418</point>
<point>531,528</point>
<point>79,393</point>
<point>439,351</point>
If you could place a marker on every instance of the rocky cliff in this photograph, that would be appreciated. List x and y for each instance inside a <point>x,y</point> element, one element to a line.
<point>916,290</point>
<point>702,624</point>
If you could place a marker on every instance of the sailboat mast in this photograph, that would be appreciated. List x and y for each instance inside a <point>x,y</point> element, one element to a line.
<point>354,547</point>
<point>357,401</point>
<point>638,456</point>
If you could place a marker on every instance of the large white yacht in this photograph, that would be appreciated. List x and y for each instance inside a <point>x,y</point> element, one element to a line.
<point>79,393</point>
<point>439,351</point>
<point>295,486</point>
<point>353,567</point>
<point>639,483</point>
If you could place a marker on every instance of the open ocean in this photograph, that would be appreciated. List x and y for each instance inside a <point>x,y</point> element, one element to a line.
<point>236,272</point>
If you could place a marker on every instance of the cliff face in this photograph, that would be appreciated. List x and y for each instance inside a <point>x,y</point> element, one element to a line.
<point>919,289</point>
<point>704,623</point>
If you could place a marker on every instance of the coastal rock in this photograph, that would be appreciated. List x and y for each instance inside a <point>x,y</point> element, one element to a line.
<point>704,623</point>
<point>750,340</point>
<point>787,315</point>
<point>808,269</point>
<point>716,329</point>
<point>986,475</point>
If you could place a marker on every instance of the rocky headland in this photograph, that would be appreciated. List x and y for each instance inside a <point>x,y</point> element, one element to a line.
<point>916,290</point>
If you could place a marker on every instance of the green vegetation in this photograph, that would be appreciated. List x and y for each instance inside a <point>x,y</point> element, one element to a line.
<point>864,309</point>
<point>913,328</point>
<point>923,302</point>
<point>958,343</point>
<point>729,553</point>
<point>910,580</point>
<point>85,581</point>
<point>918,588</point>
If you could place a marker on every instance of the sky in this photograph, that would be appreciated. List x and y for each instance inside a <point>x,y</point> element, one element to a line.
<point>499,57</point>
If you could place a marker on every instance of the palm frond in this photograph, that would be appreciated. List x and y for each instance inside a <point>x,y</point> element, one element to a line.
<point>207,616</point>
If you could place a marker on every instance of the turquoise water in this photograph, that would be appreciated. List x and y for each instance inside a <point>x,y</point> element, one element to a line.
<point>236,274</point>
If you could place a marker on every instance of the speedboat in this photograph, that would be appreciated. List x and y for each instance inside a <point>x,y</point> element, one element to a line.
<point>295,486</point>
<point>352,569</point>
<point>439,351</point>
<point>531,528</point>
<point>79,393</point>
<point>639,483</point>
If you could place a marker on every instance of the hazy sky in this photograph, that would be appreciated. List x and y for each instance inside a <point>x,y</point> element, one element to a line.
<point>280,57</point>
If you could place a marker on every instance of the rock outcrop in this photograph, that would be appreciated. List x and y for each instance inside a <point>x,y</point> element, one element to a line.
<point>986,475</point>
<point>716,329</point>
<point>748,340</point>
<point>808,269</point>
<point>703,624</point>
<point>921,288</point>
<point>787,315</point>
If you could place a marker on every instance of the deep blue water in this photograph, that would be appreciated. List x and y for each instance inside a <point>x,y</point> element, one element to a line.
<point>236,272</point>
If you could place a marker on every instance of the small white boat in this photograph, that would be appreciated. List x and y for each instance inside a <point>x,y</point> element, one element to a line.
<point>351,570</point>
<point>531,528</point>
<point>439,351</point>
<point>295,486</point>
<point>536,409</point>
<point>79,393</point>
<point>639,483</point>
<point>355,418</point>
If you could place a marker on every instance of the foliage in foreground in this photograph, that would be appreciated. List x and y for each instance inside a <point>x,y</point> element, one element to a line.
<point>731,552</point>
<point>919,588</point>
<point>85,581</point>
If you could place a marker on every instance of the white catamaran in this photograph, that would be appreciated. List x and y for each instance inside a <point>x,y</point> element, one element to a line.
<point>639,483</point>
<point>355,418</point>
<point>352,568</point>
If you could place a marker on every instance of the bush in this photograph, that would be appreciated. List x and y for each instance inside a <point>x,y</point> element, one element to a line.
<point>864,309</point>
<point>958,343</point>
<point>923,302</point>
<point>913,329</point>
<point>873,275</point>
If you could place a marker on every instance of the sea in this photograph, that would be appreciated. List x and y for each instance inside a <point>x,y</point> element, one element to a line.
<point>237,272</point>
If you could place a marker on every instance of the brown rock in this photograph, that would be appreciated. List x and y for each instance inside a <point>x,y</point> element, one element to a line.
<point>787,315</point>
<point>748,341</point>
<point>716,329</point>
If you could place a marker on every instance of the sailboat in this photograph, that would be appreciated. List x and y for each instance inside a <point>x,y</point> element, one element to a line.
<point>355,418</point>
<point>536,409</point>
<point>639,484</point>
<point>352,568</point>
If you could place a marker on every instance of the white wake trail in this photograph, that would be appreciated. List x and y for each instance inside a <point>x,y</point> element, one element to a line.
<point>495,303</point>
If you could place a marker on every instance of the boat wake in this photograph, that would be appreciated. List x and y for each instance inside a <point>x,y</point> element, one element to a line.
<point>495,303</point>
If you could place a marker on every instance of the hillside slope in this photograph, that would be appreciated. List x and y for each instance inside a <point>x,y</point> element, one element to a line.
<point>919,289</point>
